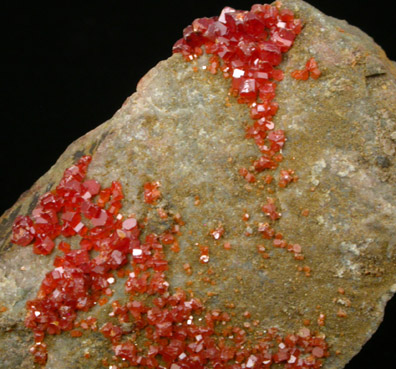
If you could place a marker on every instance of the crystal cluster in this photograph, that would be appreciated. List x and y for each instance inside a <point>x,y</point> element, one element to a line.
<point>250,45</point>
<point>311,70</point>
<point>247,47</point>
<point>78,279</point>
<point>179,332</point>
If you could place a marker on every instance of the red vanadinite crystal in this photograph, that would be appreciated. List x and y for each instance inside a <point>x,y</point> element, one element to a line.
<point>23,232</point>
<point>177,332</point>
<point>218,232</point>
<point>300,74</point>
<point>151,192</point>
<point>312,67</point>
<point>270,209</point>
<point>249,177</point>
<point>286,177</point>
<point>311,70</point>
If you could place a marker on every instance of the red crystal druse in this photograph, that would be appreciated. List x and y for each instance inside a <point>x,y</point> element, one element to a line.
<point>78,279</point>
<point>247,46</point>
<point>250,45</point>
<point>178,331</point>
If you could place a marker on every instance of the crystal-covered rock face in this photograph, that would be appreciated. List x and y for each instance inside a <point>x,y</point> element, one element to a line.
<point>224,215</point>
<point>80,278</point>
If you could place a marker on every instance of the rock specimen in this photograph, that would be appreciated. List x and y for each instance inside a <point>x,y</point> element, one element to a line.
<point>187,230</point>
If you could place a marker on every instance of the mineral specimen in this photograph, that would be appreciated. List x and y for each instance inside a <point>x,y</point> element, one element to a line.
<point>203,227</point>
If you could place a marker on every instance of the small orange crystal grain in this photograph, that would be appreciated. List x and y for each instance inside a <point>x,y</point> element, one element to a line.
<point>312,66</point>
<point>175,247</point>
<point>315,73</point>
<point>76,333</point>
<point>249,177</point>
<point>321,319</point>
<point>218,232</point>
<point>102,301</point>
<point>187,268</point>
<point>269,209</point>
<point>151,192</point>
<point>162,213</point>
<point>300,74</point>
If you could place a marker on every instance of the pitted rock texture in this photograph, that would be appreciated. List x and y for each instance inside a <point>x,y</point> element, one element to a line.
<point>183,130</point>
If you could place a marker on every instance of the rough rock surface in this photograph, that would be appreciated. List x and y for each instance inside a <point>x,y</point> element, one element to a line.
<point>182,129</point>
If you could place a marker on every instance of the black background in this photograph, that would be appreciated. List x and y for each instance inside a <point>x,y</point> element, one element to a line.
<point>69,68</point>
